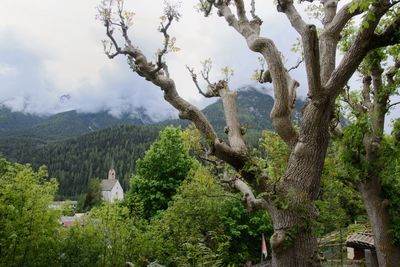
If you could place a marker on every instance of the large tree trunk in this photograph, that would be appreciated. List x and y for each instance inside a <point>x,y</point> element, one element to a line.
<point>293,210</point>
<point>378,215</point>
<point>296,246</point>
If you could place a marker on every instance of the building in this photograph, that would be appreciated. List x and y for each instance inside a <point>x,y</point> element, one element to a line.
<point>68,221</point>
<point>111,189</point>
<point>361,246</point>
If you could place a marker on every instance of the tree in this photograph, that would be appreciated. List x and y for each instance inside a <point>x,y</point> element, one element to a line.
<point>289,199</point>
<point>104,237</point>
<point>93,197</point>
<point>27,224</point>
<point>161,171</point>
<point>366,152</point>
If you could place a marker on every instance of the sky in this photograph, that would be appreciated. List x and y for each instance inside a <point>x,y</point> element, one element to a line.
<point>52,59</point>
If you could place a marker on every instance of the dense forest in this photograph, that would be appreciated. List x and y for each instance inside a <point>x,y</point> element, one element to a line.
<point>74,161</point>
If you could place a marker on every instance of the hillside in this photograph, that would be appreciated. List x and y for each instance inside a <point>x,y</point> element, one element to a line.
<point>62,125</point>
<point>11,121</point>
<point>74,161</point>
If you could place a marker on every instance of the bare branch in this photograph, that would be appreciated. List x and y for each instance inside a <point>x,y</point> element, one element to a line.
<point>301,60</point>
<point>394,104</point>
<point>311,55</point>
<point>281,112</point>
<point>253,10</point>
<point>226,12</point>
<point>205,72</point>
<point>366,92</point>
<point>249,200</point>
<point>293,15</point>
<point>356,108</point>
<point>343,16</point>
<point>241,10</point>
<point>330,8</point>
<point>365,41</point>
<point>194,78</point>
<point>309,39</point>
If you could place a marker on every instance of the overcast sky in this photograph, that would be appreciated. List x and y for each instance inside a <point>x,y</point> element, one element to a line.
<point>52,48</point>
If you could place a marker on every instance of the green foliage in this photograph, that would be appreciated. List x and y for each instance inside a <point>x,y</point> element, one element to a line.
<point>391,180</point>
<point>81,246</point>
<point>27,226</point>
<point>93,196</point>
<point>352,148</point>
<point>339,204</point>
<point>348,36</point>
<point>204,226</point>
<point>106,238</point>
<point>161,171</point>
<point>244,230</point>
<point>227,73</point>
<point>190,231</point>
<point>276,154</point>
<point>67,209</point>
<point>396,130</point>
<point>362,5</point>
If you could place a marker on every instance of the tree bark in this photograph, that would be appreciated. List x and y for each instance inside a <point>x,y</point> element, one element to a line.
<point>295,247</point>
<point>378,215</point>
<point>293,243</point>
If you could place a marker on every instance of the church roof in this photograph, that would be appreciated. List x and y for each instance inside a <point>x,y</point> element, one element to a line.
<point>108,184</point>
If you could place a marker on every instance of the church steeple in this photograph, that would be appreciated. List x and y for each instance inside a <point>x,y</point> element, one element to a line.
<point>111,172</point>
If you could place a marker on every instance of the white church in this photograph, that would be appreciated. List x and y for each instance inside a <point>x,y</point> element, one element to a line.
<point>111,189</point>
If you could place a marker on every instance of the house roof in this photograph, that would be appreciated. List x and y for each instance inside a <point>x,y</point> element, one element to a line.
<point>108,184</point>
<point>67,221</point>
<point>361,240</point>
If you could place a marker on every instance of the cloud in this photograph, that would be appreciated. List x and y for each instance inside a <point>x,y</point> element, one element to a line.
<point>53,48</point>
<point>31,91</point>
<point>7,70</point>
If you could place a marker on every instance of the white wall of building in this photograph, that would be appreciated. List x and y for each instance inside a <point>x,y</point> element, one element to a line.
<point>117,193</point>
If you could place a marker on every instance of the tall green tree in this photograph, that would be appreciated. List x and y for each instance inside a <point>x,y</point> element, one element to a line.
<point>365,150</point>
<point>28,226</point>
<point>161,171</point>
<point>93,196</point>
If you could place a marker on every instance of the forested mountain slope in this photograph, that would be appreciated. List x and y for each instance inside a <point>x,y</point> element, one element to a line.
<point>74,161</point>
<point>64,124</point>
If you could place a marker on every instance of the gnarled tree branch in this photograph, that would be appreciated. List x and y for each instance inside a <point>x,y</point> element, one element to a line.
<point>281,112</point>
<point>363,43</point>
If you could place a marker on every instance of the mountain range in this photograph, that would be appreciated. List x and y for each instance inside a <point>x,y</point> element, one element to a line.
<point>78,146</point>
